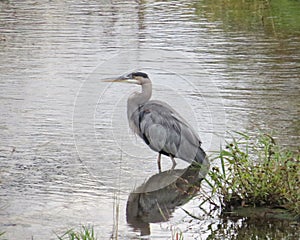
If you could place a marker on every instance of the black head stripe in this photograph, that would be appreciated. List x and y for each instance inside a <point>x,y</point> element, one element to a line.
<point>139,74</point>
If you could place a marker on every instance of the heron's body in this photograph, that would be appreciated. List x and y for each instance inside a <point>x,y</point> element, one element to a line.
<point>160,126</point>
<point>166,132</point>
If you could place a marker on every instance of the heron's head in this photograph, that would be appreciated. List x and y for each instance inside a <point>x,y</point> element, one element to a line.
<point>135,78</point>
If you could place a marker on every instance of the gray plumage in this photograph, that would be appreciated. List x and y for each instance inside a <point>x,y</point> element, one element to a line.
<point>159,125</point>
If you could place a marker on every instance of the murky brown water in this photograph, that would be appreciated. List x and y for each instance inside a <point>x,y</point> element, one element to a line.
<point>66,154</point>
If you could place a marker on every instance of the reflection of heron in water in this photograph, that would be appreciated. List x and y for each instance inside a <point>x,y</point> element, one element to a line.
<point>156,199</point>
<point>159,125</point>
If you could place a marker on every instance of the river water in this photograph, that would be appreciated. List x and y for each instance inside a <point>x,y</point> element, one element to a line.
<point>67,156</point>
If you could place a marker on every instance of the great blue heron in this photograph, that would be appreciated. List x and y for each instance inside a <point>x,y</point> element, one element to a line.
<point>159,125</point>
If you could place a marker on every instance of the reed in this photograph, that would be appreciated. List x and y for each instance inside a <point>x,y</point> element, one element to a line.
<point>255,172</point>
<point>85,233</point>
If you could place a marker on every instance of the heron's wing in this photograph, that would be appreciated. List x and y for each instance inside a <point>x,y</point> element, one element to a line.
<point>165,131</point>
<point>171,114</point>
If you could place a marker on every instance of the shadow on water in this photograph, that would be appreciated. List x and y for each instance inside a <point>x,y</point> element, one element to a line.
<point>156,199</point>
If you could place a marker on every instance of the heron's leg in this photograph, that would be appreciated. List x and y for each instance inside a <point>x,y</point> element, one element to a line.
<point>173,161</point>
<point>158,162</point>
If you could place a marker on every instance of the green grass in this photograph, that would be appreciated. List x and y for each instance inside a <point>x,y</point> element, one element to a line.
<point>85,233</point>
<point>273,17</point>
<point>255,172</point>
<point>177,234</point>
<point>2,235</point>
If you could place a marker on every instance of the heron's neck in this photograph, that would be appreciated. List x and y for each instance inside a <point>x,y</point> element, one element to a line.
<point>138,99</point>
<point>145,95</point>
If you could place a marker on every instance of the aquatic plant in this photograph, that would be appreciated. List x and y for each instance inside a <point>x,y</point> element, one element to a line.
<point>85,233</point>
<point>255,172</point>
<point>2,234</point>
<point>177,235</point>
<point>276,17</point>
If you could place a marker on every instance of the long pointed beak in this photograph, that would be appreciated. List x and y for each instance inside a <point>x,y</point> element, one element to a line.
<point>113,80</point>
<point>124,79</point>
<point>119,79</point>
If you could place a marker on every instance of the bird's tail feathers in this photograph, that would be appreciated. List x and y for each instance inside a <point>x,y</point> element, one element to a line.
<point>201,156</point>
<point>201,161</point>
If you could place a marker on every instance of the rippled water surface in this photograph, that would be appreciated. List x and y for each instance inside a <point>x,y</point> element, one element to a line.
<point>67,156</point>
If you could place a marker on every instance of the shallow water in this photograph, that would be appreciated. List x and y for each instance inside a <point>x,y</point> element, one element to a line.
<point>67,156</point>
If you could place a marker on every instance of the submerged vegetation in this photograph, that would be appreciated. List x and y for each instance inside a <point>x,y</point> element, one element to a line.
<point>256,173</point>
<point>276,17</point>
<point>2,234</point>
